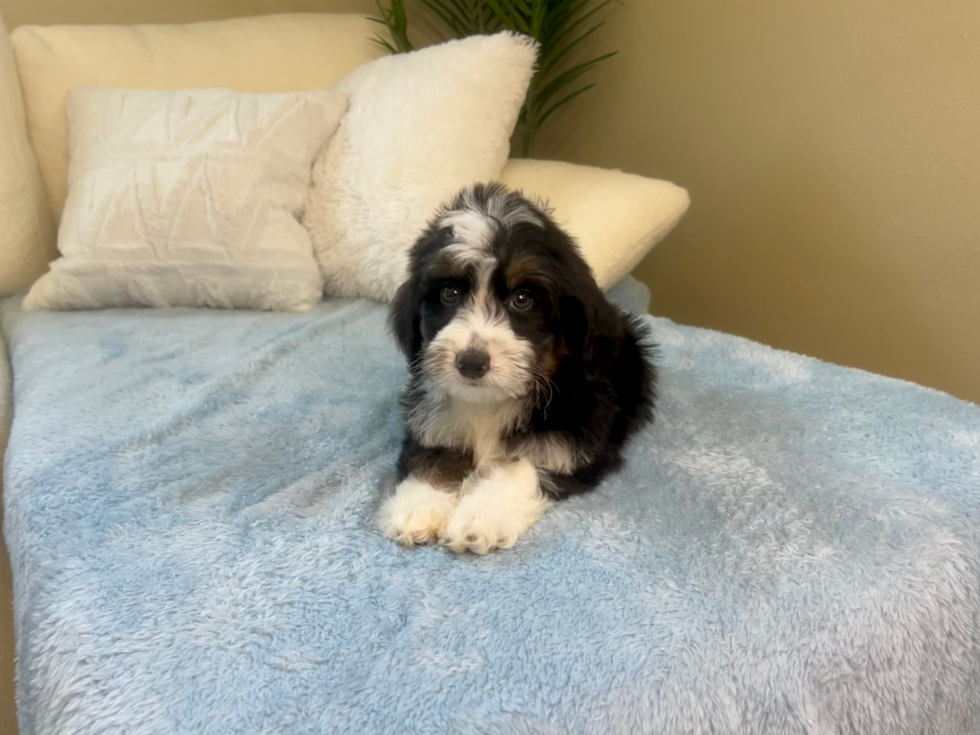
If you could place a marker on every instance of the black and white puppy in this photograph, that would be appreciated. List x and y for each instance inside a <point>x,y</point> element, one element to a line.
<point>525,382</point>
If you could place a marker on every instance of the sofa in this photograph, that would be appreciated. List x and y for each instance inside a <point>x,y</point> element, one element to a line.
<point>189,496</point>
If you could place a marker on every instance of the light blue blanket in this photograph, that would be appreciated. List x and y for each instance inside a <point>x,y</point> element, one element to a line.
<point>190,496</point>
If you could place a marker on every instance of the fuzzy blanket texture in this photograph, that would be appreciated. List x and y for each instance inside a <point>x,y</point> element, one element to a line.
<point>794,547</point>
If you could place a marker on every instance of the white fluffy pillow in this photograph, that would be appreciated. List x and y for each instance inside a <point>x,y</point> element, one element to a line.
<point>188,198</point>
<point>420,126</point>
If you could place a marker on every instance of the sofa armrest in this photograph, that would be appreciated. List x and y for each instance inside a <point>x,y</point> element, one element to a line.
<point>28,240</point>
<point>6,402</point>
<point>616,217</point>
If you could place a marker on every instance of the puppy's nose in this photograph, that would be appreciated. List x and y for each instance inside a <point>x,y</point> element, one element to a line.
<point>473,364</point>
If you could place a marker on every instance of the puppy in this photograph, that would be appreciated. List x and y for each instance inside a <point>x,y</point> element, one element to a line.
<point>525,382</point>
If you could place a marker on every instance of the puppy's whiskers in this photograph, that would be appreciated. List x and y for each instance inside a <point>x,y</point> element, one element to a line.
<point>545,388</point>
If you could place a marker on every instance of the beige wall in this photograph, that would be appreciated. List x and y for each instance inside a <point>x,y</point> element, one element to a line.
<point>832,151</point>
<point>46,12</point>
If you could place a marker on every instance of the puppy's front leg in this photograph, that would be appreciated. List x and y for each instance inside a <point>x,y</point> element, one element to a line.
<point>427,494</point>
<point>497,506</point>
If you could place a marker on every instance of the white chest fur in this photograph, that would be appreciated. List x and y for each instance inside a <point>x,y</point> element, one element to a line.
<point>440,421</point>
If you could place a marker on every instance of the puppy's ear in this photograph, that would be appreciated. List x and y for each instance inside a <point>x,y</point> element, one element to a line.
<point>579,297</point>
<point>403,319</point>
<point>575,327</point>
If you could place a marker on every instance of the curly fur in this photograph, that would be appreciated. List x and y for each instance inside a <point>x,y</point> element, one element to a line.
<point>570,376</point>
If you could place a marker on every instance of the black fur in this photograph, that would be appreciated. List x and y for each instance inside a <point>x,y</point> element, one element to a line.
<point>601,387</point>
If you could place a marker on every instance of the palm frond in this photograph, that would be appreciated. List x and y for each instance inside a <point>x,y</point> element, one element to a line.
<point>559,26</point>
<point>558,56</point>
<point>554,86</point>
<point>563,101</point>
<point>570,25</point>
<point>510,15</point>
<point>457,23</point>
<point>394,17</point>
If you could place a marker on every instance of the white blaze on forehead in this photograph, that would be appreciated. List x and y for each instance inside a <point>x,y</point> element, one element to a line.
<point>465,255</point>
<point>475,223</point>
<point>470,229</point>
<point>500,207</point>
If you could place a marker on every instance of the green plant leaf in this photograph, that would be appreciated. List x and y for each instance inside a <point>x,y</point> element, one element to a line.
<point>555,85</point>
<point>464,15</point>
<point>564,101</point>
<point>507,13</point>
<point>521,7</point>
<point>446,17</point>
<point>560,55</point>
<point>395,19</point>
<point>560,14</point>
<point>559,26</point>
<point>539,14</point>
<point>463,10</point>
<point>567,30</point>
<point>384,44</point>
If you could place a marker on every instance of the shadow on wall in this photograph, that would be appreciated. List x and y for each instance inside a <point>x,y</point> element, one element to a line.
<point>833,159</point>
<point>781,280</point>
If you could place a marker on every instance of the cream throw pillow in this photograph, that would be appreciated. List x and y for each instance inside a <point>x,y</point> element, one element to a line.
<point>420,126</point>
<point>616,218</point>
<point>188,198</point>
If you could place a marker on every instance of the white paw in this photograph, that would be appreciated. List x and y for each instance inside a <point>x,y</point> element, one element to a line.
<point>416,513</point>
<point>496,511</point>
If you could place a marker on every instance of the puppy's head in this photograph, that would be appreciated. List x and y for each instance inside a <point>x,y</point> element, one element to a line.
<point>497,297</point>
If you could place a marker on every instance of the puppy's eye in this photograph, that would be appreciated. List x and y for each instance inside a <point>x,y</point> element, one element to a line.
<point>521,301</point>
<point>450,294</point>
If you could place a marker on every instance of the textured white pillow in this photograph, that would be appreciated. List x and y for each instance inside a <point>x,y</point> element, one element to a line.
<point>294,52</point>
<point>420,126</point>
<point>188,198</point>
